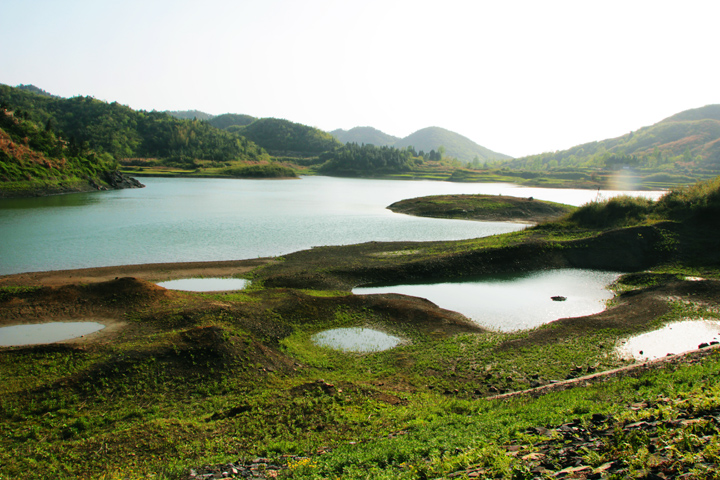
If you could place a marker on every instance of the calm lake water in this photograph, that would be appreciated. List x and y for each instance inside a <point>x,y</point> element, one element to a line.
<point>205,284</point>
<point>516,301</point>
<point>356,339</point>
<point>46,332</point>
<point>179,220</point>
<point>673,338</point>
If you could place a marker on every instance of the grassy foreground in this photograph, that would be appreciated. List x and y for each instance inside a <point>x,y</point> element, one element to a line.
<point>186,380</point>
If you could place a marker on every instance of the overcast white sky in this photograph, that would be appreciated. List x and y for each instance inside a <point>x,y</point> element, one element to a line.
<point>518,77</point>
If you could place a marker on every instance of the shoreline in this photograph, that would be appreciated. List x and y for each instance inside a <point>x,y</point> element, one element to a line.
<point>143,271</point>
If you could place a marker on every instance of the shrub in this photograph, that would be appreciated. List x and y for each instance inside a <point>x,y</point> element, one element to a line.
<point>616,212</point>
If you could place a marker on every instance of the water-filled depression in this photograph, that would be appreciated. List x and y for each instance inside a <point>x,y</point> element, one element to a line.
<point>515,301</point>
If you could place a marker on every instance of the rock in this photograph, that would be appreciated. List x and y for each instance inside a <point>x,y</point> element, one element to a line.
<point>558,298</point>
<point>117,180</point>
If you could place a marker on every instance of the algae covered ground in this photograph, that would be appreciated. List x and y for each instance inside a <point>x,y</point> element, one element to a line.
<point>191,384</point>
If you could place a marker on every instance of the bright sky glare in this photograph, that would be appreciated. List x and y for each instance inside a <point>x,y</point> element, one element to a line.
<point>517,76</point>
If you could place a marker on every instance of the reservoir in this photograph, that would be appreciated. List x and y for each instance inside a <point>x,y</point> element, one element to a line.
<point>197,219</point>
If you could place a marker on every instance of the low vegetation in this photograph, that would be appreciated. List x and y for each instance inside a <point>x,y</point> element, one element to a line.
<point>190,380</point>
<point>482,207</point>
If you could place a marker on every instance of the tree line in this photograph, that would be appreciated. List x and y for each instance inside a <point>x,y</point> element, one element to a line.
<point>121,132</point>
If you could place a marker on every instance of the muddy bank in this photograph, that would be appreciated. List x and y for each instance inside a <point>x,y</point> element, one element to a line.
<point>346,267</point>
<point>156,272</point>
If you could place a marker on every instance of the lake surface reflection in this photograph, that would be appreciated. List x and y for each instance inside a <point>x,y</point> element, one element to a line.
<point>199,219</point>
<point>356,340</point>
<point>516,301</point>
<point>205,284</point>
<point>45,332</point>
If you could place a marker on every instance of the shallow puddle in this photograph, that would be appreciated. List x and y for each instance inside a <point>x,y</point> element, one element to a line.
<point>38,333</point>
<point>356,339</point>
<point>206,284</point>
<point>673,338</point>
<point>516,301</point>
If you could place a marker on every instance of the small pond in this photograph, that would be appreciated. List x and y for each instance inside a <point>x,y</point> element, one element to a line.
<point>356,339</point>
<point>45,332</point>
<point>516,301</point>
<point>206,284</point>
<point>673,338</point>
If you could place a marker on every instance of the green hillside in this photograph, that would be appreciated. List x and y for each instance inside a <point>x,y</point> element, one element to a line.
<point>35,161</point>
<point>36,90</point>
<point>455,145</point>
<point>121,132</point>
<point>687,143</point>
<point>283,137</point>
<point>361,135</point>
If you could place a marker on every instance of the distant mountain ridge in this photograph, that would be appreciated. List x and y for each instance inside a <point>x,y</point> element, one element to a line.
<point>426,139</point>
<point>227,120</point>
<point>455,145</point>
<point>361,135</point>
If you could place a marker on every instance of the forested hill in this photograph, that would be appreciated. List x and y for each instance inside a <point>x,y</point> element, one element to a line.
<point>278,136</point>
<point>688,143</point>
<point>455,145</point>
<point>116,131</point>
<point>369,135</point>
<point>35,161</point>
<point>282,137</point>
<point>432,138</point>
<point>37,90</point>
<point>228,120</point>
<point>190,114</point>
